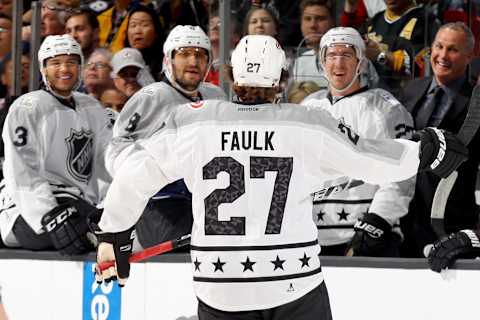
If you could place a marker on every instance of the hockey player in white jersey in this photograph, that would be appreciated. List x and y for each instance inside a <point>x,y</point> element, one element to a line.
<point>187,53</point>
<point>364,220</point>
<point>55,140</point>
<point>251,167</point>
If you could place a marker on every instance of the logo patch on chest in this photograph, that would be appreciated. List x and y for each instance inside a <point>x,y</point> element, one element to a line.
<point>80,154</point>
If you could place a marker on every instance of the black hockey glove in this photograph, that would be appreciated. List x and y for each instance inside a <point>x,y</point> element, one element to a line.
<point>68,228</point>
<point>372,237</point>
<point>114,247</point>
<point>445,251</point>
<point>440,151</point>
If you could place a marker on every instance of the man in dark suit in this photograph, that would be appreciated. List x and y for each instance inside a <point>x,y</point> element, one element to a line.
<point>442,101</point>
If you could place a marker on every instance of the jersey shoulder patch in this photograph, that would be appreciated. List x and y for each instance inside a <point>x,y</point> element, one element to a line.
<point>388,97</point>
<point>197,105</point>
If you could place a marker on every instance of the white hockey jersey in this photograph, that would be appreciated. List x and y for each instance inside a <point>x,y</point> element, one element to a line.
<point>145,111</point>
<point>374,114</point>
<point>251,170</point>
<point>50,147</point>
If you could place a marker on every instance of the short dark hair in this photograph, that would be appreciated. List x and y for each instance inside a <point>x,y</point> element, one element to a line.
<point>91,16</point>
<point>322,3</point>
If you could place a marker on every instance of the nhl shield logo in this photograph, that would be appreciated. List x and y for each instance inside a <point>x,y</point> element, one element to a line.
<point>80,154</point>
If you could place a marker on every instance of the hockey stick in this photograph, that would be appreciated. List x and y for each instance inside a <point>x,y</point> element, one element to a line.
<point>152,251</point>
<point>466,133</point>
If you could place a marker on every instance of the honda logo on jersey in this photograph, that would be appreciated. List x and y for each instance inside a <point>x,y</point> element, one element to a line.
<point>80,154</point>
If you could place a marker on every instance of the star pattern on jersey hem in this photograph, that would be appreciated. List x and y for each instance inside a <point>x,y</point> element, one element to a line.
<point>259,279</point>
<point>197,264</point>
<point>248,265</point>
<point>305,260</point>
<point>218,265</point>
<point>278,263</point>
<point>343,215</point>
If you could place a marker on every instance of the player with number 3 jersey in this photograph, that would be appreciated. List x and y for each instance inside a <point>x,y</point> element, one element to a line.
<point>54,170</point>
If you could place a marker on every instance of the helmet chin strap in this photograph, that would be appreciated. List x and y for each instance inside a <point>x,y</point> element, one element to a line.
<point>357,74</point>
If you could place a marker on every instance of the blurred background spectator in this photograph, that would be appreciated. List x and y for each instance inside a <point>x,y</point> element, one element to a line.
<point>113,99</point>
<point>398,42</point>
<point>5,35</point>
<point>261,20</point>
<point>145,33</point>
<point>96,73</point>
<point>214,24</point>
<point>129,71</point>
<point>113,25</point>
<point>83,26</point>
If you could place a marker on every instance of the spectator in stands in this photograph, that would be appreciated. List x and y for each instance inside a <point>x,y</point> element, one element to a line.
<point>214,36</point>
<point>53,157</point>
<point>5,35</point>
<point>53,17</point>
<point>300,90</point>
<point>145,33</point>
<point>129,71</point>
<point>356,12</point>
<point>96,73</point>
<point>187,58</point>
<point>397,42</point>
<point>6,75</point>
<point>261,21</point>
<point>316,20</point>
<point>362,220</point>
<point>113,25</point>
<point>83,26</point>
<point>442,101</point>
<point>113,99</point>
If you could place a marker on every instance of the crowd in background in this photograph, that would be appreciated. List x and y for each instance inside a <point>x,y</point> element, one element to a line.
<point>122,44</point>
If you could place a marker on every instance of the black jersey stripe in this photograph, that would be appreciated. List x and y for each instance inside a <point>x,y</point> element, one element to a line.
<point>259,279</point>
<point>11,206</point>
<point>254,248</point>
<point>340,201</point>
